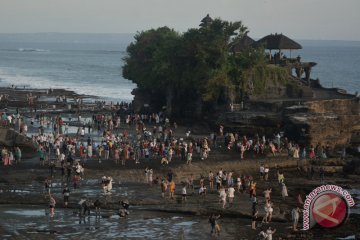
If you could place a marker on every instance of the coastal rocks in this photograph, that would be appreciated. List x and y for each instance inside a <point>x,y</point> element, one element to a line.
<point>330,121</point>
<point>325,121</point>
<point>339,106</point>
<point>10,138</point>
<point>352,167</point>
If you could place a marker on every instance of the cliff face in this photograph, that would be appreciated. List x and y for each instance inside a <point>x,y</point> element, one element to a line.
<point>327,121</point>
<point>337,106</point>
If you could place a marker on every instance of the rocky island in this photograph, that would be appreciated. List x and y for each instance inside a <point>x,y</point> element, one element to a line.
<point>218,75</point>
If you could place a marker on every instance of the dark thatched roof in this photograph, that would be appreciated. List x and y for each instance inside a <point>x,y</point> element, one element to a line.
<point>278,41</point>
<point>241,44</point>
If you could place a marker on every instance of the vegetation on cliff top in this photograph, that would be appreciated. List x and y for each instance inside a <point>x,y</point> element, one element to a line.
<point>196,71</point>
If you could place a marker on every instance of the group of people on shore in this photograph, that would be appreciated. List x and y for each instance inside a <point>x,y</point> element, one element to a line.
<point>118,142</point>
<point>11,156</point>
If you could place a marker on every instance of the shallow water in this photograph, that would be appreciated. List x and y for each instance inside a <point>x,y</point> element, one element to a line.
<point>32,220</point>
<point>355,193</point>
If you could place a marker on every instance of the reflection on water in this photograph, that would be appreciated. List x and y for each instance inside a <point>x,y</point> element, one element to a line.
<point>26,212</point>
<point>355,193</point>
<point>30,220</point>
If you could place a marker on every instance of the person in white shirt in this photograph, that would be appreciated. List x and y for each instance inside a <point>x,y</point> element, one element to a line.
<point>231,195</point>
<point>266,173</point>
<point>183,192</point>
<point>238,184</point>
<point>58,153</point>
<point>262,171</point>
<point>222,195</point>
<point>269,232</point>
<point>295,214</point>
<point>202,191</point>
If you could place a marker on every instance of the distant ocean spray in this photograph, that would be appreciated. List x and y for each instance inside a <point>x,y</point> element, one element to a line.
<point>91,63</point>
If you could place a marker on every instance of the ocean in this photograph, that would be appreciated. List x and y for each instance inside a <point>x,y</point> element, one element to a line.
<point>91,63</point>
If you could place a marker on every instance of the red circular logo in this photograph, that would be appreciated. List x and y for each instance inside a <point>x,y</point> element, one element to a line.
<point>329,210</point>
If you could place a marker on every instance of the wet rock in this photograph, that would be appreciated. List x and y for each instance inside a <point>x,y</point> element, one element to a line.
<point>10,138</point>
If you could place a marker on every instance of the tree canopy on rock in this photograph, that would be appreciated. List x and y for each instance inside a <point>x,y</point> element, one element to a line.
<point>193,71</point>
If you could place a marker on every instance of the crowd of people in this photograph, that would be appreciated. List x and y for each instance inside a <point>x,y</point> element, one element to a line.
<point>142,138</point>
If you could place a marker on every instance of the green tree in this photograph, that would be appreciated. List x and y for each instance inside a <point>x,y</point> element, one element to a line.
<point>186,71</point>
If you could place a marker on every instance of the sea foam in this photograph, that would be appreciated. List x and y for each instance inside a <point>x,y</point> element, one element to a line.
<point>107,92</point>
<point>32,50</point>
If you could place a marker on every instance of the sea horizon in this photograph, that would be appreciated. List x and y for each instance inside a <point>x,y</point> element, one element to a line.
<point>107,34</point>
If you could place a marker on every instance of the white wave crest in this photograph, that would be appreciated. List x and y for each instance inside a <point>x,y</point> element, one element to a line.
<point>32,50</point>
<point>110,92</point>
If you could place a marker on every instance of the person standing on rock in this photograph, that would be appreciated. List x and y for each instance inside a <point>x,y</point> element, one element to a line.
<point>66,194</point>
<point>222,195</point>
<point>269,232</point>
<point>117,155</point>
<point>146,171</point>
<point>312,152</point>
<point>284,192</point>
<point>281,177</point>
<point>170,175</point>
<point>150,176</point>
<point>172,189</point>
<point>47,185</point>
<point>212,221</point>
<point>76,181</point>
<point>191,183</point>
<point>266,173</point>
<point>238,184</point>
<point>254,217</point>
<point>218,181</point>
<point>231,195</point>
<point>221,130</point>
<point>58,153</point>
<point>52,168</point>
<point>41,155</point>
<point>215,228</point>
<point>211,180</point>
<point>267,193</point>
<point>252,190</point>
<point>5,157</point>
<point>17,155</point>
<point>295,215</point>
<point>262,171</point>
<point>52,204</point>
<point>89,151</point>
<point>269,210</point>
<point>242,150</point>
<point>163,188</point>
<point>183,193</point>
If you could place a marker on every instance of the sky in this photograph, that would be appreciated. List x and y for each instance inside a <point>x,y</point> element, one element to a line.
<point>301,19</point>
